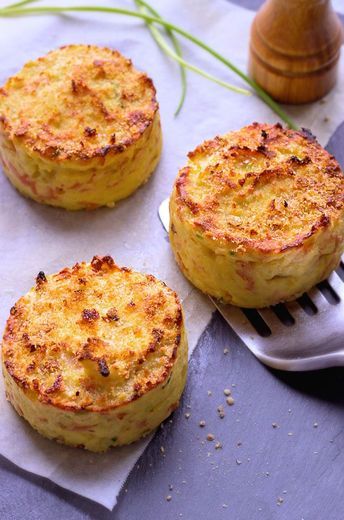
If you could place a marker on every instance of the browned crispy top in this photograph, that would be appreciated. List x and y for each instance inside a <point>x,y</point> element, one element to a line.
<point>77,102</point>
<point>263,187</point>
<point>93,337</point>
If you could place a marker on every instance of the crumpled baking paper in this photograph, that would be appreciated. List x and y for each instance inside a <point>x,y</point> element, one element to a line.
<point>34,237</point>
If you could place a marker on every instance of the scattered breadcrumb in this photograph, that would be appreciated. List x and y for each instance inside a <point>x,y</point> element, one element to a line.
<point>230,400</point>
<point>221,411</point>
<point>169,498</point>
<point>202,424</point>
<point>225,351</point>
<point>210,392</point>
<point>210,437</point>
<point>218,446</point>
<point>227,391</point>
<point>187,415</point>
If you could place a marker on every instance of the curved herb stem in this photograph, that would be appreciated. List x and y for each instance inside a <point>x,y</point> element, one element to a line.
<point>148,18</point>
<point>161,42</point>
<point>20,4</point>
<point>203,73</point>
<point>141,3</point>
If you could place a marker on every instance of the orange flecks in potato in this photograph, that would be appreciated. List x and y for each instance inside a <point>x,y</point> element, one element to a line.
<point>79,127</point>
<point>96,352</point>
<point>247,197</point>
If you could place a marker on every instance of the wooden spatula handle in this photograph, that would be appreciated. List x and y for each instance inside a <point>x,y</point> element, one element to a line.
<point>294,49</point>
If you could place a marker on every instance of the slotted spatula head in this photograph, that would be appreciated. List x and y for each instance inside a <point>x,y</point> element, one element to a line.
<point>305,334</point>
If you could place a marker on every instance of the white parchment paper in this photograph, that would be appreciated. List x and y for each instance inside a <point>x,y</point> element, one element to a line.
<point>34,237</point>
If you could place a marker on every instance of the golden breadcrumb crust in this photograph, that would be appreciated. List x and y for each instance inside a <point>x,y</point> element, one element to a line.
<point>93,337</point>
<point>262,187</point>
<point>79,128</point>
<point>78,102</point>
<point>246,199</point>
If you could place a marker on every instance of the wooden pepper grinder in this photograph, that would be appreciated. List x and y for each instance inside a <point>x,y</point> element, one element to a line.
<point>294,49</point>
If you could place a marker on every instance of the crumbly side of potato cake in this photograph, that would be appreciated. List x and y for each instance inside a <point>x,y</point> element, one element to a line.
<point>257,215</point>
<point>95,355</point>
<point>79,128</point>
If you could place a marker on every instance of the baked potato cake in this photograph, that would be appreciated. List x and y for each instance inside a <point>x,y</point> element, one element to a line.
<point>95,355</point>
<point>79,128</point>
<point>256,216</point>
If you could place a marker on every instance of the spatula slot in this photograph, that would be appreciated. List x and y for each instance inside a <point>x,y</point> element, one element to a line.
<point>329,293</point>
<point>257,322</point>
<point>307,305</point>
<point>283,314</point>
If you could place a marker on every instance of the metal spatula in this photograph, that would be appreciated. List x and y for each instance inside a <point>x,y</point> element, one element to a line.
<point>305,334</point>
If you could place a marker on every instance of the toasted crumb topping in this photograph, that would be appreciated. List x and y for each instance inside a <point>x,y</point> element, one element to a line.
<point>262,187</point>
<point>78,102</point>
<point>94,336</point>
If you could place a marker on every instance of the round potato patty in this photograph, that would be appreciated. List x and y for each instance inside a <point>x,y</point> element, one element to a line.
<point>95,355</point>
<point>256,215</point>
<point>79,128</point>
